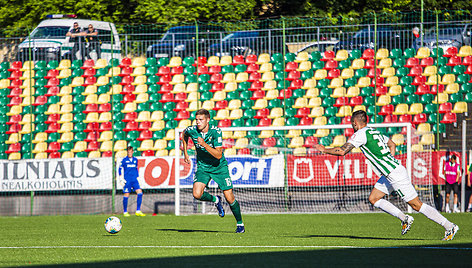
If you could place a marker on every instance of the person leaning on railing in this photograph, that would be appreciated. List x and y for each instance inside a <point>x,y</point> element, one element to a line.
<point>76,36</point>
<point>93,42</point>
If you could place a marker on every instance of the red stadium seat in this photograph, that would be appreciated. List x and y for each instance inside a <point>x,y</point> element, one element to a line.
<point>331,64</point>
<point>130,117</point>
<point>387,109</point>
<point>145,125</point>
<point>445,107</point>
<point>14,119</point>
<point>89,72</point>
<point>182,115</point>
<point>91,127</point>
<point>18,83</point>
<point>310,141</point>
<point>437,89</point>
<point>302,112</point>
<point>296,84</point>
<point>14,101</point>
<point>218,86</point>
<point>381,90</point>
<point>255,76</point>
<point>181,96</point>
<point>368,54</point>
<point>306,121</point>
<point>419,80</point>
<point>285,94</point>
<point>291,66</point>
<point>420,118</point>
<point>427,62</point>
<point>258,94</point>
<point>16,65</point>
<point>126,71</point>
<point>224,123</point>
<point>390,118</point>
<point>15,92</point>
<point>467,60</point>
<point>127,80</point>
<point>93,146</point>
<point>333,73</point>
<point>253,67</point>
<point>256,85</point>
<point>53,118</point>
<point>454,60</point>
<point>262,113</point>
<point>468,70</point>
<point>238,59</point>
<point>346,120</point>
<point>264,122</point>
<point>451,51</point>
<point>127,89</point>
<point>202,69</point>
<point>167,97</point>
<point>328,55</point>
<point>357,100</point>
<point>200,61</point>
<point>15,128</point>
<point>449,118</point>
<point>251,59</point>
<point>412,62</point>
<point>293,75</point>
<point>219,105</point>
<point>53,147</point>
<point>52,91</point>
<point>103,108</point>
<point>405,118</point>
<point>181,106</point>
<point>131,126</point>
<point>128,98</point>
<point>341,101</point>
<point>13,148</point>
<point>105,126</point>
<point>269,142</point>
<point>244,151</point>
<point>165,88</point>
<point>92,136</point>
<point>348,132</point>
<point>177,70</point>
<point>145,135</point>
<point>89,81</point>
<point>88,64</point>
<point>372,72</point>
<point>52,82</point>
<point>165,79</point>
<point>125,62</point>
<point>423,89</point>
<point>370,64</point>
<point>216,69</point>
<point>52,74</point>
<point>415,71</point>
<point>148,153</point>
<point>216,78</point>
<point>107,154</point>
<point>15,75</point>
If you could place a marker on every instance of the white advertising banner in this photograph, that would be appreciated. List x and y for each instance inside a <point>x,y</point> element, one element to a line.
<point>56,174</point>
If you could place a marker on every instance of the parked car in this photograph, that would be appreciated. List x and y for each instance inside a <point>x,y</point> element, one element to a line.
<point>321,46</point>
<point>448,36</point>
<point>181,41</point>
<point>48,41</point>
<point>386,38</point>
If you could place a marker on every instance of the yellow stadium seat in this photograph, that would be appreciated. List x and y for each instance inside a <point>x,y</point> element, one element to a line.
<point>314,102</point>
<point>77,81</point>
<point>448,79</point>
<point>194,105</point>
<point>309,84</point>
<point>401,108</point>
<point>65,90</point>
<point>27,101</point>
<point>357,64</point>
<point>260,104</point>
<point>231,86</point>
<point>263,58</point>
<point>465,51</point>
<point>316,112</point>
<point>27,119</point>
<point>40,137</point>
<point>296,142</point>
<point>267,76</point>
<point>430,70</point>
<point>320,74</point>
<point>114,71</point>
<point>27,75</point>
<point>433,80</point>
<point>13,138</point>
<point>91,117</point>
<point>192,96</point>
<point>121,153</point>
<point>352,92</point>
<point>272,84</point>
<point>266,134</point>
<point>312,93</point>
<point>398,139</point>
<point>92,98</point>
<point>383,100</point>
<point>395,90</point>
<point>427,139</point>
<point>271,151</point>
<point>441,98</point>
<point>28,92</point>
<point>103,98</point>
<point>452,88</point>
<point>321,133</point>
<point>460,107</point>
<point>156,116</point>
<point>423,128</point>
<point>230,151</point>
<point>241,143</point>
<point>363,82</point>
<point>66,127</point>
<point>228,78</point>
<point>106,146</point>
<point>27,65</point>
<point>239,134</point>
<point>208,105</point>
<point>226,60</point>
<point>391,81</point>
<point>423,52</point>
<point>219,96</point>
<point>304,66</point>
<point>66,137</point>
<point>242,77</point>
<point>265,67</point>
<point>28,84</point>
<point>272,94</point>
<point>172,152</point>
<point>144,116</point>
<point>339,92</point>
<point>14,110</point>
<point>95,154</point>
<point>158,125</point>
<point>276,112</point>
<point>382,53</point>
<point>4,83</point>
<point>142,98</point>
<point>341,55</point>
<point>41,155</point>
<point>170,135</point>
<point>141,79</point>
<point>65,99</point>
<point>28,128</point>
<point>213,61</point>
<point>146,145</point>
<point>105,136</point>
<point>278,122</point>
<point>116,89</point>
<point>320,121</point>
<point>129,107</point>
<point>347,73</point>
<point>300,151</point>
<point>100,64</point>
<point>177,79</point>
<point>14,156</point>
<point>387,72</point>
<point>90,90</point>
<point>415,108</point>
<point>138,62</point>
<point>66,118</point>
<point>120,145</point>
<point>65,109</point>
<point>235,114</point>
<point>300,103</point>
<point>339,140</point>
<point>385,63</point>
<point>302,56</point>
<point>359,108</point>
<point>222,114</point>
<point>292,133</point>
<point>104,117</point>
<point>192,87</point>
<point>53,109</point>
<point>227,134</point>
<point>64,64</point>
<point>179,88</point>
<point>79,146</point>
<point>175,61</point>
<point>344,111</point>
<point>336,82</point>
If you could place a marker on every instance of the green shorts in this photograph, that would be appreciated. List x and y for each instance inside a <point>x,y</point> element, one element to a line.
<point>221,178</point>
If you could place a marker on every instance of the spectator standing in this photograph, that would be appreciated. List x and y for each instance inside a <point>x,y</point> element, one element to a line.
<point>93,41</point>
<point>452,175</point>
<point>76,36</point>
<point>415,35</point>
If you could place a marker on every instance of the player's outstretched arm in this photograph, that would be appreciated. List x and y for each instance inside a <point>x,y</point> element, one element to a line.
<point>341,151</point>
<point>184,143</point>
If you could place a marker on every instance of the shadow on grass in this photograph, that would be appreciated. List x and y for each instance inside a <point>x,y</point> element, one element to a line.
<point>457,256</point>
<point>358,237</point>
<point>192,231</point>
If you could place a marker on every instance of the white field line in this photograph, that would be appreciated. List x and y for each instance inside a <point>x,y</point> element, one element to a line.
<point>288,247</point>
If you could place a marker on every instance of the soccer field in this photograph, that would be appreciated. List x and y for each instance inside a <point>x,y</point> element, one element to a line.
<point>207,240</point>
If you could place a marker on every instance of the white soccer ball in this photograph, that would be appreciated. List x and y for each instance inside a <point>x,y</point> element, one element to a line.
<point>113,225</point>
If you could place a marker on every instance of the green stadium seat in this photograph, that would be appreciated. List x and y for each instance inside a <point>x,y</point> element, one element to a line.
<point>412,99</point>
<point>395,53</point>
<point>441,61</point>
<point>435,52</point>
<point>433,118</point>
<point>53,137</point>
<point>289,57</point>
<point>455,97</point>
<point>398,63</point>
<point>344,64</point>
<point>468,97</point>
<point>291,121</point>
<point>376,119</point>
<point>251,122</point>
<point>371,110</point>
<point>398,99</point>
<point>290,111</point>
<point>315,56</point>
<point>409,53</point>
<point>317,65</point>
<point>326,141</point>
<point>276,57</point>
<point>331,111</point>
<point>442,128</point>
<point>327,102</point>
<point>67,146</point>
<point>427,98</point>
<point>462,78</point>
<point>360,73</point>
<point>430,108</point>
<point>355,54</point>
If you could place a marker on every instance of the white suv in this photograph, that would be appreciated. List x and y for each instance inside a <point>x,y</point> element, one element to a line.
<point>48,41</point>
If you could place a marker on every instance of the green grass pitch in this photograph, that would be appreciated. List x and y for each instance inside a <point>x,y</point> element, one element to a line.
<point>300,240</point>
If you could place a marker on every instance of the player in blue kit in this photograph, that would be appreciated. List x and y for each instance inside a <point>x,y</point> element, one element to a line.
<point>129,165</point>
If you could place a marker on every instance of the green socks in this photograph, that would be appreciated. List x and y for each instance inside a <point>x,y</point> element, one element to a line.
<point>207,197</point>
<point>236,209</point>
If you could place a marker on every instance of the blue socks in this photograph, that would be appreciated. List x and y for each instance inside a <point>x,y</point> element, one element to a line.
<point>125,204</point>
<point>139,200</point>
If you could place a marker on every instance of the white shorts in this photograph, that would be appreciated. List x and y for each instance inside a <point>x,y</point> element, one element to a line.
<point>398,181</point>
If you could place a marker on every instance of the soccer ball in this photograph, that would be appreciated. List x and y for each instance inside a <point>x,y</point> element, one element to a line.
<point>113,225</point>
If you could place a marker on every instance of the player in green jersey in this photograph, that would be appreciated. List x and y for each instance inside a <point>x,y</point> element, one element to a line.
<point>379,150</point>
<point>211,164</point>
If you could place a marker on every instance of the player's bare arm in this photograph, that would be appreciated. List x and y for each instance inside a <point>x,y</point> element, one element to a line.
<point>215,152</point>
<point>341,151</point>
<point>184,143</point>
<point>391,145</point>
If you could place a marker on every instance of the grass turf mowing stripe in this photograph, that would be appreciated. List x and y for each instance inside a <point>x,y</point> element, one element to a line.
<point>352,247</point>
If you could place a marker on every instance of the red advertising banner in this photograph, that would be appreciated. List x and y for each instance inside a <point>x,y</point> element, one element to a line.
<point>354,169</point>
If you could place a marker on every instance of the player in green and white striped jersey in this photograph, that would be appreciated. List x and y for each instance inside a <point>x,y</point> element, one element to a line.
<point>379,150</point>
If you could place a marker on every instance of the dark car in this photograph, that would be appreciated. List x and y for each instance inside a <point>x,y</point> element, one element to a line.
<point>386,38</point>
<point>249,42</point>
<point>181,41</point>
<point>448,36</point>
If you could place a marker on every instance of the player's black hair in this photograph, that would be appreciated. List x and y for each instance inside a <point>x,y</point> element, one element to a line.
<point>130,147</point>
<point>453,156</point>
<point>359,115</point>
<point>204,112</point>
